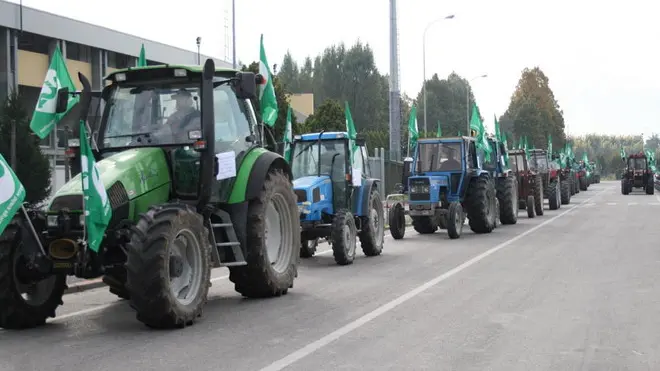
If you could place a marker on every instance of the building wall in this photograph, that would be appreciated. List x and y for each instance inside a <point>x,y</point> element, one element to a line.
<point>303,103</point>
<point>91,50</point>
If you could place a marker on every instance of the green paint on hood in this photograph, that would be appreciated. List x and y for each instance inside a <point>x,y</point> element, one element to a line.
<point>140,170</point>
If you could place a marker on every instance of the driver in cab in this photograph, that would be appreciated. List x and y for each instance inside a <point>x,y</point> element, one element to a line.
<point>186,117</point>
<point>450,163</point>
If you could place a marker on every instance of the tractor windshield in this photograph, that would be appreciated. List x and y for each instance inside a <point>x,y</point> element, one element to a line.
<point>438,157</point>
<point>306,161</point>
<point>170,114</point>
<point>517,162</point>
<point>539,162</point>
<point>637,163</point>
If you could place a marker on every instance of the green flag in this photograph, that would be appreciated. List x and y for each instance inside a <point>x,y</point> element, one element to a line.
<point>498,133</point>
<point>96,202</point>
<point>12,194</point>
<point>413,131</point>
<point>352,133</point>
<point>288,136</point>
<point>142,60</point>
<point>267,99</point>
<point>479,132</point>
<point>45,118</point>
<point>439,133</point>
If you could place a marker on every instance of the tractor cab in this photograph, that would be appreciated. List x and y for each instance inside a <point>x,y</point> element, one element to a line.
<point>498,165</point>
<point>637,174</point>
<point>336,191</point>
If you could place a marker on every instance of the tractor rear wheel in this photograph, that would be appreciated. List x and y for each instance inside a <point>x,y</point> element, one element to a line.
<point>480,202</point>
<point>565,190</point>
<point>397,220</point>
<point>538,195</point>
<point>650,187</point>
<point>168,266</point>
<point>372,234</point>
<point>424,224</point>
<point>571,183</point>
<point>507,193</point>
<point>344,239</point>
<point>273,240</point>
<point>24,304</point>
<point>624,187</point>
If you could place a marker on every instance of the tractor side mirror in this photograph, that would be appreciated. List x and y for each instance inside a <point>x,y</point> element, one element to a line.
<point>246,85</point>
<point>62,100</point>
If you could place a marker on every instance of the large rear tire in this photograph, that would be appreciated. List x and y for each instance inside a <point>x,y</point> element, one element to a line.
<point>625,189</point>
<point>507,193</point>
<point>480,202</point>
<point>273,238</point>
<point>397,220</point>
<point>372,234</point>
<point>24,305</point>
<point>554,200</point>
<point>168,267</point>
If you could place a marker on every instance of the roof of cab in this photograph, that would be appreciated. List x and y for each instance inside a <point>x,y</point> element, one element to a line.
<point>189,68</point>
<point>325,135</point>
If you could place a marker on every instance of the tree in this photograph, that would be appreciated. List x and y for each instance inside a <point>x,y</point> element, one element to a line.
<point>32,167</point>
<point>534,100</point>
<point>289,73</point>
<point>329,117</point>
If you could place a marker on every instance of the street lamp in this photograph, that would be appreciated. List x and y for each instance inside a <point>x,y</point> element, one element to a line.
<point>199,56</point>
<point>467,99</point>
<point>424,59</point>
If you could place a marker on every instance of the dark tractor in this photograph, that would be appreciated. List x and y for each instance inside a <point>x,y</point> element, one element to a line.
<point>447,183</point>
<point>595,176</point>
<point>583,176</point>
<point>549,175</point>
<point>565,179</point>
<point>637,174</point>
<point>191,188</point>
<point>337,200</point>
<point>506,185</point>
<point>575,171</point>
<point>530,183</point>
<point>396,203</point>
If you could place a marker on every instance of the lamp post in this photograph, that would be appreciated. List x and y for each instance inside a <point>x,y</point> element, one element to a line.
<point>199,56</point>
<point>467,99</point>
<point>451,16</point>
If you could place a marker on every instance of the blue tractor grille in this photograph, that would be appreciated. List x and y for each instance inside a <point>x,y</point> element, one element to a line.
<point>415,195</point>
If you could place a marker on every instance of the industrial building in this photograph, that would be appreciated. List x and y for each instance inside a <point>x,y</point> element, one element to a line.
<point>28,37</point>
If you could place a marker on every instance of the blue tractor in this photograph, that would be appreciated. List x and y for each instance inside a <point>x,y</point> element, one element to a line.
<point>506,185</point>
<point>337,200</point>
<point>448,183</point>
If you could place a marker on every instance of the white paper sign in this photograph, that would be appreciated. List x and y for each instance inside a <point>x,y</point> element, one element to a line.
<point>226,165</point>
<point>357,177</point>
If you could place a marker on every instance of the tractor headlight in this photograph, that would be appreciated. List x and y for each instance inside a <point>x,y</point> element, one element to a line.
<point>420,188</point>
<point>81,219</point>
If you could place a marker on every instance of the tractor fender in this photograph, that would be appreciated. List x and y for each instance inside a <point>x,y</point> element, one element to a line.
<point>361,202</point>
<point>265,163</point>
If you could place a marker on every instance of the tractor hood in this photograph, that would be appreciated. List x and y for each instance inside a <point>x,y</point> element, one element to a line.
<point>308,182</point>
<point>139,171</point>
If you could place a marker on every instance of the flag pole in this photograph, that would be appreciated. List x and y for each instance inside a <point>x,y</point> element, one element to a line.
<point>32,230</point>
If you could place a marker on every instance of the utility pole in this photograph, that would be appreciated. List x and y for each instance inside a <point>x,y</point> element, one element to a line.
<point>233,32</point>
<point>199,55</point>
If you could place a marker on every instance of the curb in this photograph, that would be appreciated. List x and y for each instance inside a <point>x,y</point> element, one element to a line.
<point>84,286</point>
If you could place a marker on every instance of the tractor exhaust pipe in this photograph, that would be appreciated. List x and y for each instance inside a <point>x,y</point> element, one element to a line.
<point>63,249</point>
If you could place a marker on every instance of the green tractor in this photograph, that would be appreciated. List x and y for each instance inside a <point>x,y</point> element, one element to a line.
<point>191,186</point>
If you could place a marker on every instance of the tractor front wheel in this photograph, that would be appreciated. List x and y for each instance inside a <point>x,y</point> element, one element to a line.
<point>344,238</point>
<point>455,219</point>
<point>530,207</point>
<point>24,304</point>
<point>565,192</point>
<point>273,239</point>
<point>168,268</point>
<point>397,220</point>
<point>538,195</point>
<point>372,234</point>
<point>554,196</point>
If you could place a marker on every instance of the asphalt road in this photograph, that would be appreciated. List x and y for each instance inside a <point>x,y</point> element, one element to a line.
<point>574,289</point>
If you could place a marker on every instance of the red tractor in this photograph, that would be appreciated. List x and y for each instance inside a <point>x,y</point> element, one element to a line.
<point>530,183</point>
<point>637,174</point>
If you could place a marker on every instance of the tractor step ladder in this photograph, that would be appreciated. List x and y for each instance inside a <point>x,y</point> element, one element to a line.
<point>225,250</point>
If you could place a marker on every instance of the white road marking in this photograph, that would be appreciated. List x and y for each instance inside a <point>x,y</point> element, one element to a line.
<point>632,203</point>
<point>105,306</point>
<point>611,203</point>
<point>352,326</point>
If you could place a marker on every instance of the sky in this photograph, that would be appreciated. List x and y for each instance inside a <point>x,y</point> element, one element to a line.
<point>600,56</point>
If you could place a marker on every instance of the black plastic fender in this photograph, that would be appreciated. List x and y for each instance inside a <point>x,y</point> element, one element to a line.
<point>265,163</point>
